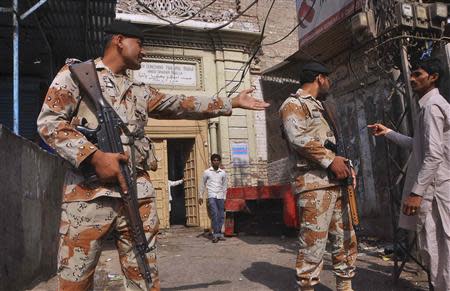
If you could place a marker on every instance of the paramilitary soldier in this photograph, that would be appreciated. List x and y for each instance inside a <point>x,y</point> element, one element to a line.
<point>322,212</point>
<point>92,210</point>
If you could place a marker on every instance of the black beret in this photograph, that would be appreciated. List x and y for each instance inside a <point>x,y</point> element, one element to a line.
<point>316,67</point>
<point>124,28</point>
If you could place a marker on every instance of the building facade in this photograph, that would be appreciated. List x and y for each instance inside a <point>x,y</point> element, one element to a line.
<point>192,47</point>
<point>204,48</point>
<point>369,46</point>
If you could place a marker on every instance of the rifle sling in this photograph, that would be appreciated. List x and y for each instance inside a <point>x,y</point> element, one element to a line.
<point>131,139</point>
<point>328,114</point>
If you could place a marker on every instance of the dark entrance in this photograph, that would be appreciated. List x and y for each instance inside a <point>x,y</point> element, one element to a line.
<point>178,151</point>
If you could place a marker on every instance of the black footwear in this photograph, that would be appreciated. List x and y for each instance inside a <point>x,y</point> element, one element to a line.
<point>215,240</point>
<point>222,238</point>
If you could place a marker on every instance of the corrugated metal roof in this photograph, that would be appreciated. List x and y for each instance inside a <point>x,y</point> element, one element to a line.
<point>73,29</point>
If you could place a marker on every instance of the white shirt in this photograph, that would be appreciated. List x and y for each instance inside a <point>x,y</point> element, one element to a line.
<point>171,184</point>
<point>215,182</point>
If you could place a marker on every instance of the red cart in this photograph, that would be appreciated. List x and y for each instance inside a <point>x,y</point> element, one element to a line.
<point>238,196</point>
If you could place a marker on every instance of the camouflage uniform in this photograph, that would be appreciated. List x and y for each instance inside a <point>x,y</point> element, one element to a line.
<point>92,210</point>
<point>323,210</point>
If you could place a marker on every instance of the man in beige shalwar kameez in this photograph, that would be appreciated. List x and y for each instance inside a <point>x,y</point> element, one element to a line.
<point>426,193</point>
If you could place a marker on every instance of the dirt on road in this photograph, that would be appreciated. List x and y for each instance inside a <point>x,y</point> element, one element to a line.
<point>189,261</point>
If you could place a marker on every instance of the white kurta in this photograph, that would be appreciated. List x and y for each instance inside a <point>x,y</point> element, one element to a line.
<point>428,175</point>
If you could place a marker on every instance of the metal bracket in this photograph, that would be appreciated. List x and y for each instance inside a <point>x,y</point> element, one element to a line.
<point>32,9</point>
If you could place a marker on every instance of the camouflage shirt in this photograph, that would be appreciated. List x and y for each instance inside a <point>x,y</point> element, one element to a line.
<point>306,131</point>
<point>64,108</point>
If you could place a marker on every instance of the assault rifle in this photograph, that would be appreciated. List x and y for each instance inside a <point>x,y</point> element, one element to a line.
<point>107,137</point>
<point>339,149</point>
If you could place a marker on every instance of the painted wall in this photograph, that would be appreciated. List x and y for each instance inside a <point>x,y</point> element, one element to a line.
<point>30,199</point>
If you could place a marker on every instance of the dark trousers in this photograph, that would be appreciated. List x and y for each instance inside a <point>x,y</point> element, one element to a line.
<point>217,212</point>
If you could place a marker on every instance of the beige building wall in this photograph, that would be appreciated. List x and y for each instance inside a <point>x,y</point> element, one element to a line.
<point>221,56</point>
<point>162,130</point>
<point>239,129</point>
<point>282,19</point>
<point>217,135</point>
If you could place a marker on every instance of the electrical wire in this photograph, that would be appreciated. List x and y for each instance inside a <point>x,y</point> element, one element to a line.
<point>257,49</point>
<point>447,39</point>
<point>245,67</point>
<point>192,16</point>
<point>300,22</point>
<point>247,64</point>
<point>232,19</point>
<point>179,22</point>
<point>153,13</point>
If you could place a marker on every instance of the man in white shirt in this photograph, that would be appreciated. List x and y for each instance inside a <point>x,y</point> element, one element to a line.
<point>215,182</point>
<point>426,193</point>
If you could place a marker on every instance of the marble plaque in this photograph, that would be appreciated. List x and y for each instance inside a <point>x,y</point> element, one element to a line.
<point>167,74</point>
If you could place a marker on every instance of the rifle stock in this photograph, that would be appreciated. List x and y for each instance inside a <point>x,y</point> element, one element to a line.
<point>86,75</point>
<point>353,207</point>
<point>107,137</point>
<point>351,195</point>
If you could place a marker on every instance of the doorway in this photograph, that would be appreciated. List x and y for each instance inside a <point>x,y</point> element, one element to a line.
<point>181,166</point>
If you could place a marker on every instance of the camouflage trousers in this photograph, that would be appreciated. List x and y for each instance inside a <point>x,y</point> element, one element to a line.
<point>85,226</point>
<point>324,214</point>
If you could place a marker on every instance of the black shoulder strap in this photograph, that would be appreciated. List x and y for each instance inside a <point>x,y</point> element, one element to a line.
<point>329,115</point>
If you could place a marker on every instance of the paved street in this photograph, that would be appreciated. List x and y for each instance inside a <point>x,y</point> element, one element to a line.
<point>189,261</point>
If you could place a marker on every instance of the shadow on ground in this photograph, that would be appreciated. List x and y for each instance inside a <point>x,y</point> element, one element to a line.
<point>281,278</point>
<point>197,286</point>
<point>275,277</point>
<point>375,277</point>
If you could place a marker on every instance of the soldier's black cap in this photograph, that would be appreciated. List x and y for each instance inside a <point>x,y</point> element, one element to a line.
<point>316,67</point>
<point>124,28</point>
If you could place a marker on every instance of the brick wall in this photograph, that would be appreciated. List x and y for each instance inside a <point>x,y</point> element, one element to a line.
<point>254,174</point>
<point>282,19</point>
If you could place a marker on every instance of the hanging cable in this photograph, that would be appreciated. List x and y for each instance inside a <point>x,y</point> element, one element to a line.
<point>148,9</point>
<point>300,22</point>
<point>179,22</point>
<point>234,18</point>
<point>247,64</point>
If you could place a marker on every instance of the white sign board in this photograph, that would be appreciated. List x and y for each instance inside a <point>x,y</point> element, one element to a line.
<point>318,16</point>
<point>168,74</point>
<point>239,154</point>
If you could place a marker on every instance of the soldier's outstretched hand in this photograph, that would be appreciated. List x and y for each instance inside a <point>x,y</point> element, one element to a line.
<point>245,100</point>
<point>107,167</point>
